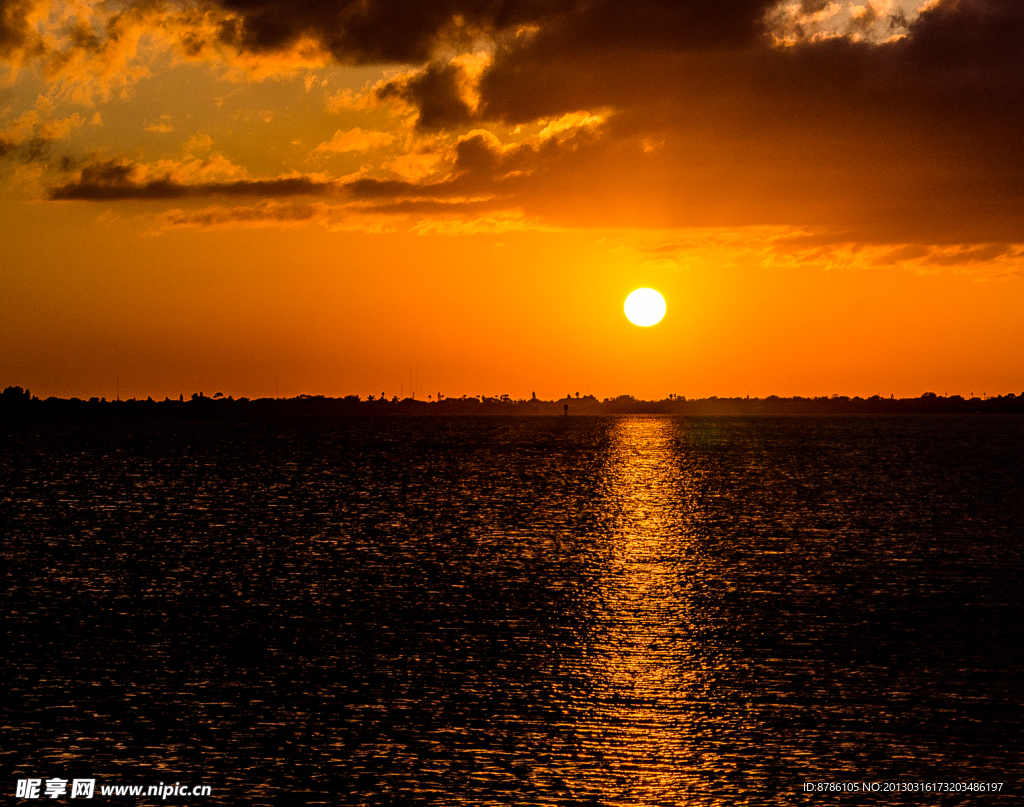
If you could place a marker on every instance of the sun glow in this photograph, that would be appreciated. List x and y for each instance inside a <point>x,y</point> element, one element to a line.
<point>645,307</point>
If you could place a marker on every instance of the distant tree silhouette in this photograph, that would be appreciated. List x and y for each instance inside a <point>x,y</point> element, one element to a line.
<point>16,402</point>
<point>15,398</point>
<point>15,394</point>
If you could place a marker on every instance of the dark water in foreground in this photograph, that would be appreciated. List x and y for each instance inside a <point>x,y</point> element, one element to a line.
<point>613,611</point>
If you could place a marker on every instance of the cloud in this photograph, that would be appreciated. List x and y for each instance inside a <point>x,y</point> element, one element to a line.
<point>270,213</point>
<point>28,138</point>
<point>16,34</point>
<point>970,255</point>
<point>437,92</point>
<point>119,179</point>
<point>476,167</point>
<point>197,144</point>
<point>481,166</point>
<point>161,126</point>
<point>907,252</point>
<point>569,122</point>
<point>781,247</point>
<point>264,213</point>
<point>418,164</point>
<point>877,120</point>
<point>452,217</point>
<point>984,261</point>
<point>356,140</point>
<point>14,26</point>
<point>498,222</point>
<point>908,138</point>
<point>89,51</point>
<point>373,31</point>
<point>31,125</point>
<point>818,20</point>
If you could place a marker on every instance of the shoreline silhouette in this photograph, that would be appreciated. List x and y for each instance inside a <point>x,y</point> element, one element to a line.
<point>16,401</point>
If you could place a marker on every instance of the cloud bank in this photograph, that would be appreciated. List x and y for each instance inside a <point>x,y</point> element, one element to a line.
<point>882,121</point>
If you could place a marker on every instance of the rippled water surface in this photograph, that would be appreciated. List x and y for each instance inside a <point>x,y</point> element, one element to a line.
<point>549,611</point>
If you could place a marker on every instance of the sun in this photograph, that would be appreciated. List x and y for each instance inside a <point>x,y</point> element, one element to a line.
<point>645,307</point>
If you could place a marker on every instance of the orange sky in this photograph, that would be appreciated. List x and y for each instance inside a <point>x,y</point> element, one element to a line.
<point>324,196</point>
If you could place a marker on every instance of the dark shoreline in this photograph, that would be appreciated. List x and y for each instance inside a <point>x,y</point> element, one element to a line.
<point>16,402</point>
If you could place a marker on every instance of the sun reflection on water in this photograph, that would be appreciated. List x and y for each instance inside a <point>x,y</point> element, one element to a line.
<point>642,658</point>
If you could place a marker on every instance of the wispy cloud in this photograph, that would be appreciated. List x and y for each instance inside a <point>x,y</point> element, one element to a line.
<point>270,213</point>
<point>119,179</point>
<point>160,126</point>
<point>356,140</point>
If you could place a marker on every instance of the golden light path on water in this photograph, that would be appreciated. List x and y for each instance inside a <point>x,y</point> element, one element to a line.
<point>642,659</point>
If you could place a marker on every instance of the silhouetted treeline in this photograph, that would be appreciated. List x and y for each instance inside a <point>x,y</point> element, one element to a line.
<point>15,401</point>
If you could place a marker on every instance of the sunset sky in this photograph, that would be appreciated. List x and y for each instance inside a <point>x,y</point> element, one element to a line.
<point>259,197</point>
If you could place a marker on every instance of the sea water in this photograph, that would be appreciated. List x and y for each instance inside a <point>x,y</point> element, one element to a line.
<point>542,611</point>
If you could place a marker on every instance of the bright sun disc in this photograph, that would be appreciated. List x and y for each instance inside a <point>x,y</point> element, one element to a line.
<point>645,307</point>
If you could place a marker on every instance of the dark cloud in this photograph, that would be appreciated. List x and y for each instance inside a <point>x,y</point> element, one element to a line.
<point>486,176</point>
<point>113,180</point>
<point>380,191</point>
<point>579,54</point>
<point>970,255</point>
<point>482,157</point>
<point>264,212</point>
<point>434,92</point>
<point>35,149</point>
<point>369,31</point>
<point>653,25</point>
<point>955,51</point>
<point>350,215</point>
<point>908,252</point>
<point>120,179</point>
<point>984,36</point>
<point>479,155</point>
<point>617,35</point>
<point>408,31</point>
<point>372,189</point>
<point>434,207</point>
<point>13,24</point>
<point>919,135</point>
